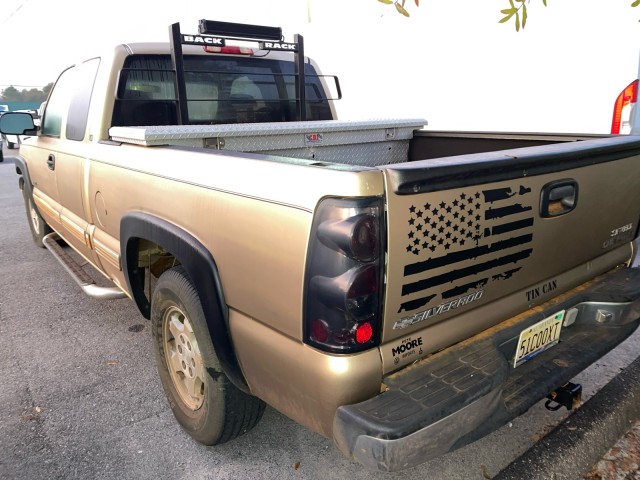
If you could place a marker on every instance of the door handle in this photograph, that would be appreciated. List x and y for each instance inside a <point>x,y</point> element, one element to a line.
<point>558,198</point>
<point>51,162</point>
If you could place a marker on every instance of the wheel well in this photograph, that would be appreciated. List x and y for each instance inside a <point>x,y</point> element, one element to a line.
<point>23,174</point>
<point>155,258</point>
<point>151,245</point>
<point>153,261</point>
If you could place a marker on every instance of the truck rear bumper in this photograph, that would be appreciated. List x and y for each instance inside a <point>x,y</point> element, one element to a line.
<point>457,396</point>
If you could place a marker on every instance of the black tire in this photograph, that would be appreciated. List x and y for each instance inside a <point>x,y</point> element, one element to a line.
<point>11,145</point>
<point>1,156</point>
<point>217,411</point>
<point>39,228</point>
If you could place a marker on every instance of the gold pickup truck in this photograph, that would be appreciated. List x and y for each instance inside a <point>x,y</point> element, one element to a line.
<point>399,290</point>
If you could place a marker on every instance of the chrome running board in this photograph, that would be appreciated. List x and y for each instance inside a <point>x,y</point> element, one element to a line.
<point>79,275</point>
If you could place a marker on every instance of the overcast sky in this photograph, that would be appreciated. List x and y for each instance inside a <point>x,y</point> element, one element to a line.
<point>450,63</point>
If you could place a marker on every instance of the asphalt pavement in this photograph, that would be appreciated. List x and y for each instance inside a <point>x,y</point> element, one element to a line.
<point>585,437</point>
<point>80,397</point>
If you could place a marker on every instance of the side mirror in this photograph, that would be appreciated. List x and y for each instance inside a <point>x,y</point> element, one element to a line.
<point>17,123</point>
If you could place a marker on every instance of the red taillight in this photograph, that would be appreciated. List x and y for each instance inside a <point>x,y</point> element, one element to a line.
<point>229,50</point>
<point>364,332</point>
<point>626,98</point>
<point>344,275</point>
<point>319,330</point>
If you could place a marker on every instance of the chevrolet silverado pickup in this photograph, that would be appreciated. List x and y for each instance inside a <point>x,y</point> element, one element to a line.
<point>399,290</point>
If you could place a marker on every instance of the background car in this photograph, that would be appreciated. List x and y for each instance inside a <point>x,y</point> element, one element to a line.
<point>13,141</point>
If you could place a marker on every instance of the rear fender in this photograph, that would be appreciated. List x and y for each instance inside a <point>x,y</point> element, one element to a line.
<point>202,270</point>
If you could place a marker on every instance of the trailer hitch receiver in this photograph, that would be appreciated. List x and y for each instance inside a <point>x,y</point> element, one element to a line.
<point>568,395</point>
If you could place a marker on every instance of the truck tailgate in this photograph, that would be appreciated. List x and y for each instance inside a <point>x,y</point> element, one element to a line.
<point>504,231</point>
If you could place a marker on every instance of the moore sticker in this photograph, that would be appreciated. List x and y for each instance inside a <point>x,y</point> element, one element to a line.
<point>408,347</point>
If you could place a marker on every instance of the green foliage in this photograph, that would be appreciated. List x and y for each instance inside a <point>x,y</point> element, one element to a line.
<point>517,10</point>
<point>400,5</point>
<point>12,94</point>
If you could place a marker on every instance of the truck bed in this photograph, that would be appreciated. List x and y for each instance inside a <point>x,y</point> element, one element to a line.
<point>369,143</point>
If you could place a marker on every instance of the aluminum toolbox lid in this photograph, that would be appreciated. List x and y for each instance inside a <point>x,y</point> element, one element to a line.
<point>261,136</point>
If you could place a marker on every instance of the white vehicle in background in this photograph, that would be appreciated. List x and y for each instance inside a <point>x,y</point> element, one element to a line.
<point>626,114</point>
<point>14,141</point>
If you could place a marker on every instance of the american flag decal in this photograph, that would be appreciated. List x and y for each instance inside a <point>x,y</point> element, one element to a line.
<point>493,227</point>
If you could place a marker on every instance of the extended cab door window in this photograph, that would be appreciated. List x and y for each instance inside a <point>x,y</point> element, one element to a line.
<point>81,99</point>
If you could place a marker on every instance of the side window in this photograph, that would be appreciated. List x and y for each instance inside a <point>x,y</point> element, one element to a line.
<point>58,103</point>
<point>80,100</point>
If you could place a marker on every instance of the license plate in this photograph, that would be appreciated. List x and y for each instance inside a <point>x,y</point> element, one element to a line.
<point>538,338</point>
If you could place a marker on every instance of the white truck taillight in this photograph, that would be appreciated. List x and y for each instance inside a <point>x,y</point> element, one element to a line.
<point>344,275</point>
<point>625,110</point>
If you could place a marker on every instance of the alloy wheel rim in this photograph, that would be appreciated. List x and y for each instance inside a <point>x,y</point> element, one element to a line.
<point>183,358</point>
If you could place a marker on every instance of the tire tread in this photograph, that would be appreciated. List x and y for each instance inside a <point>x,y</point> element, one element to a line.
<point>242,411</point>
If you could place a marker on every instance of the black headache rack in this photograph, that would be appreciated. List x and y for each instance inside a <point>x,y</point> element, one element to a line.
<point>215,34</point>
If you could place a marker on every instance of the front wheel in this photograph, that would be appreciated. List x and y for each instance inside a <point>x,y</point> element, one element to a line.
<point>203,400</point>
<point>37,225</point>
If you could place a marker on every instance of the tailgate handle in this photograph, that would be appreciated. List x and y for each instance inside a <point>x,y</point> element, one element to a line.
<point>558,198</point>
<point>51,162</point>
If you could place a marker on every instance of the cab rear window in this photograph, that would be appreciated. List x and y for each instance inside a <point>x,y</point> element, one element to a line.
<point>220,89</point>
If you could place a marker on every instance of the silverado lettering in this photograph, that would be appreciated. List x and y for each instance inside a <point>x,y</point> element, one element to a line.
<point>442,308</point>
<point>285,257</point>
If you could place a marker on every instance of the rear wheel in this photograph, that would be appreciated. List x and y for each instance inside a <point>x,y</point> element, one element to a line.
<point>203,400</point>
<point>37,225</point>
